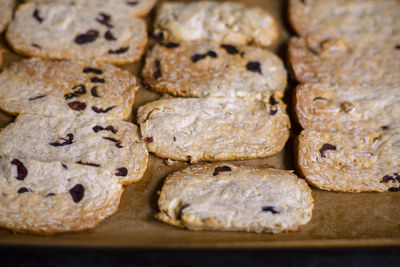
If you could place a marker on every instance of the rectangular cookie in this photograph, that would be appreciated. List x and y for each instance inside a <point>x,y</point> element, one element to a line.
<point>345,61</point>
<point>194,69</point>
<point>350,161</point>
<point>70,32</point>
<point>348,106</point>
<point>214,128</point>
<point>226,22</point>
<point>67,89</point>
<point>223,196</point>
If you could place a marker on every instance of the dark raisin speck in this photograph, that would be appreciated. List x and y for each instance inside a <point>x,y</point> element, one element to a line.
<point>221,169</point>
<point>159,36</point>
<point>36,97</point>
<point>117,142</point>
<point>273,101</point>
<point>132,3</point>
<point>157,74</point>
<point>105,20</point>
<point>100,110</point>
<point>36,45</point>
<point>88,37</point>
<point>319,98</point>
<point>273,111</point>
<point>197,57</point>
<point>174,139</point>
<point>254,66</point>
<point>64,166</point>
<point>37,16</point>
<point>179,215</point>
<point>121,171</point>
<point>385,127</point>
<point>92,70</point>
<point>171,45</point>
<point>394,189</point>
<point>22,190</point>
<point>76,105</point>
<point>93,91</point>
<point>326,147</point>
<point>313,51</point>
<point>97,80</point>
<point>270,209</point>
<point>149,139</point>
<point>118,51</point>
<point>64,141</point>
<point>22,172</point>
<point>212,54</point>
<point>77,192</point>
<point>88,163</point>
<point>81,91</point>
<point>109,36</point>
<point>230,49</point>
<point>50,195</point>
<point>397,47</point>
<point>110,128</point>
<point>388,178</point>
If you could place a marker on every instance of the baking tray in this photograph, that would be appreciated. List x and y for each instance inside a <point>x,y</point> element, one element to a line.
<point>339,219</point>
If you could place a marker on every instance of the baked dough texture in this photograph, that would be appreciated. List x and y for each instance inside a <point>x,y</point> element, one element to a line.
<point>6,11</point>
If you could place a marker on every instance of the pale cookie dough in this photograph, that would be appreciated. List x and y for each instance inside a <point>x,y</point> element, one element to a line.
<point>128,7</point>
<point>97,142</point>
<point>67,89</point>
<point>214,128</point>
<point>350,161</point>
<point>348,106</point>
<point>224,196</point>
<point>206,68</point>
<point>6,11</point>
<point>69,32</point>
<point>225,22</point>
<point>55,196</point>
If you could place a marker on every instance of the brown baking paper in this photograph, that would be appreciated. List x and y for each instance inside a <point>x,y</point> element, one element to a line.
<point>339,219</point>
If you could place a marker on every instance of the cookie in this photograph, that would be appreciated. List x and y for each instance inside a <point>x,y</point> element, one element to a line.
<point>96,142</point>
<point>214,128</point>
<point>132,8</point>
<point>226,22</point>
<point>227,197</point>
<point>341,61</point>
<point>353,106</point>
<point>194,69</point>
<point>352,160</point>
<point>6,11</point>
<point>326,19</point>
<point>67,89</point>
<point>51,197</point>
<point>69,32</point>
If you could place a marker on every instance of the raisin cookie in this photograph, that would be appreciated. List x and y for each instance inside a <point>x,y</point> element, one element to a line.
<point>352,160</point>
<point>67,89</point>
<point>202,68</point>
<point>6,10</point>
<point>226,22</point>
<point>214,128</point>
<point>132,8</point>
<point>96,142</point>
<point>343,61</point>
<point>70,32</point>
<point>224,196</point>
<point>54,196</point>
<point>348,106</point>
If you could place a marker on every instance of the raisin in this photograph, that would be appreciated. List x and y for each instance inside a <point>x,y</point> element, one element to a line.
<point>159,36</point>
<point>92,70</point>
<point>100,110</point>
<point>97,80</point>
<point>319,98</point>
<point>387,179</point>
<point>81,91</point>
<point>270,209</point>
<point>100,128</point>
<point>303,2</point>
<point>88,163</point>
<point>174,139</point>
<point>197,57</point>
<point>326,147</point>
<point>149,139</point>
<point>273,111</point>
<point>105,20</point>
<point>36,97</point>
<point>132,3</point>
<point>117,142</point>
<point>121,171</point>
<point>230,49</point>
<point>64,141</point>
<point>22,172</point>
<point>157,74</point>
<point>50,195</point>
<point>77,192</point>
<point>397,46</point>
<point>76,105</point>
<point>272,100</point>
<point>64,166</point>
<point>109,36</point>
<point>171,45</point>
<point>36,45</point>
<point>118,51</point>
<point>313,51</point>
<point>222,169</point>
<point>394,189</point>
<point>37,16</point>
<point>88,37</point>
<point>254,66</point>
<point>212,54</point>
<point>93,91</point>
<point>22,190</point>
<point>179,215</point>
<point>385,127</point>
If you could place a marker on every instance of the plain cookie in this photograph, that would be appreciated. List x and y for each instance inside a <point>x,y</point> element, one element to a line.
<point>69,32</point>
<point>226,22</point>
<point>6,11</point>
<point>214,128</point>
<point>205,68</point>
<point>224,196</point>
